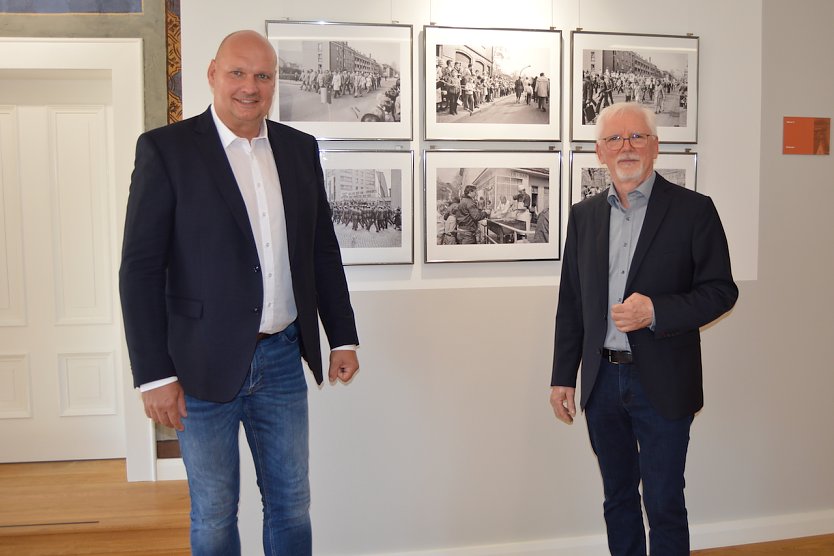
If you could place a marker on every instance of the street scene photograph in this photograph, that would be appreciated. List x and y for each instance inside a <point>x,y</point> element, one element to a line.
<point>597,180</point>
<point>483,206</point>
<point>498,84</point>
<point>339,80</point>
<point>366,207</point>
<point>656,79</point>
<point>505,82</point>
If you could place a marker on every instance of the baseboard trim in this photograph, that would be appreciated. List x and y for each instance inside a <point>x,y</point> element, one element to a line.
<point>763,529</point>
<point>170,469</point>
<point>708,535</point>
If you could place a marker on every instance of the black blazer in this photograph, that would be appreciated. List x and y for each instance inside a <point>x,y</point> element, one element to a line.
<point>681,262</point>
<point>190,278</point>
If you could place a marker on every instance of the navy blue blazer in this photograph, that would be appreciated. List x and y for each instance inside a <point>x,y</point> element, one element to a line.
<point>190,278</point>
<point>681,262</point>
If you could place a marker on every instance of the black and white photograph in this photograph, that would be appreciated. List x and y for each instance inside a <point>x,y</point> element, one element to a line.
<point>492,206</point>
<point>492,84</point>
<point>370,195</point>
<point>589,176</point>
<point>343,81</point>
<point>659,72</point>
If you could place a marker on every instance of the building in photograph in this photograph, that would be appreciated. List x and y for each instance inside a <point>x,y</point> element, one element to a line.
<point>365,184</point>
<point>481,57</point>
<point>337,56</point>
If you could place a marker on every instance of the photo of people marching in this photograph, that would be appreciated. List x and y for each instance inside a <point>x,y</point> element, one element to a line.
<point>492,84</point>
<point>656,79</point>
<point>338,81</point>
<point>492,206</point>
<point>366,206</point>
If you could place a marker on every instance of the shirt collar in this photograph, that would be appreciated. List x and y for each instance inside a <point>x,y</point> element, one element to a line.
<point>644,190</point>
<point>227,136</point>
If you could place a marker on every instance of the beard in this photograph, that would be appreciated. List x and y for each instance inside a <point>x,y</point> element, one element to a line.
<point>636,173</point>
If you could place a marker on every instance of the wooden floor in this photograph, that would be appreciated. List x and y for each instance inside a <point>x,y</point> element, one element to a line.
<point>87,507</point>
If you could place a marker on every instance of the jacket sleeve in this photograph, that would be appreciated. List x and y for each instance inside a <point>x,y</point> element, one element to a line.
<point>148,228</point>
<point>712,292</point>
<point>567,351</point>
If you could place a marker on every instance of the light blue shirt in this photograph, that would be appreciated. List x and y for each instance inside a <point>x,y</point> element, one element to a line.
<point>624,231</point>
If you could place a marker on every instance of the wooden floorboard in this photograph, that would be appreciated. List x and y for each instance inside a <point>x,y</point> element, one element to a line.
<point>89,508</point>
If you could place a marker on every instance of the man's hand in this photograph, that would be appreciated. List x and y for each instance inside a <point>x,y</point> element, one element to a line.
<point>166,405</point>
<point>343,365</point>
<point>563,400</point>
<point>634,313</point>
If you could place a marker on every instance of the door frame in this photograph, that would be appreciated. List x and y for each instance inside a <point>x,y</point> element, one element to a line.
<point>122,57</point>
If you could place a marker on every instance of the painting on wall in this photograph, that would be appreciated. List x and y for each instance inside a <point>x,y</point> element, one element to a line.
<point>658,71</point>
<point>492,205</point>
<point>492,84</point>
<point>371,202</point>
<point>343,81</point>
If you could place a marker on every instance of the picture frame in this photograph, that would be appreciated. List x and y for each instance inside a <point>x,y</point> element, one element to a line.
<point>495,113</point>
<point>514,189</point>
<point>613,67</point>
<point>589,176</point>
<point>358,184</point>
<point>344,81</point>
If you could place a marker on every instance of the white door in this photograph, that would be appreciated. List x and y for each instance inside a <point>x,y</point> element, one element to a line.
<point>60,381</point>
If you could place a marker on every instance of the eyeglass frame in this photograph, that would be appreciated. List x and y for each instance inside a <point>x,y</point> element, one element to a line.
<point>605,140</point>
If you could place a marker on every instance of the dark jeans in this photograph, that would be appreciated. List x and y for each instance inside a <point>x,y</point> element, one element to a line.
<point>633,442</point>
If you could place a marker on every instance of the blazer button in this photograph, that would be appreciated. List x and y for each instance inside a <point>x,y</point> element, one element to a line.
<point>256,310</point>
<point>256,268</point>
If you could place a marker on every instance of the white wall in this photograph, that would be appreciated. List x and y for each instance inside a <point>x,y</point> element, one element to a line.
<point>445,439</point>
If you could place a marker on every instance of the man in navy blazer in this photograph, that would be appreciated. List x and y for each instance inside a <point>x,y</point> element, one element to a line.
<point>229,260</point>
<point>646,264</point>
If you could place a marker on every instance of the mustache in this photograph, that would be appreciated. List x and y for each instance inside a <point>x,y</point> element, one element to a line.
<point>628,157</point>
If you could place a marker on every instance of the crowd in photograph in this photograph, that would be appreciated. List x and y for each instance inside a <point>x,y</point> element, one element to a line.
<point>340,83</point>
<point>661,93</point>
<point>364,214</point>
<point>459,86</point>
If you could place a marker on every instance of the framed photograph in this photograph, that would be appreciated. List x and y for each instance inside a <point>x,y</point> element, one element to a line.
<point>492,84</point>
<point>343,80</point>
<point>658,71</point>
<point>588,176</point>
<point>371,200</point>
<point>492,205</point>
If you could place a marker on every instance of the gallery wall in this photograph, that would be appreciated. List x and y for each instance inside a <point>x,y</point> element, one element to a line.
<point>445,442</point>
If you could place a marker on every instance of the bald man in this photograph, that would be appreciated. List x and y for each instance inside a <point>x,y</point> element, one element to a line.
<point>229,260</point>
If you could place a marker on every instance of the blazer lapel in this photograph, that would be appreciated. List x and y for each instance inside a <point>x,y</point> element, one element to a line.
<point>655,211</point>
<point>217,163</point>
<point>602,223</point>
<point>288,176</point>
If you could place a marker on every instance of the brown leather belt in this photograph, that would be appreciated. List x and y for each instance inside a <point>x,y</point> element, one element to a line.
<point>264,336</point>
<point>617,357</point>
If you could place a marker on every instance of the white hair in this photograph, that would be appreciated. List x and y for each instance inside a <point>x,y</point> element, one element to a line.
<point>618,108</point>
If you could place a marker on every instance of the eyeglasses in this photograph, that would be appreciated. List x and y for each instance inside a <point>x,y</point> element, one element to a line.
<point>636,140</point>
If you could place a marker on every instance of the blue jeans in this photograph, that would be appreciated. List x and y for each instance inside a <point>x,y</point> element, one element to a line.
<point>633,442</point>
<point>272,405</point>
